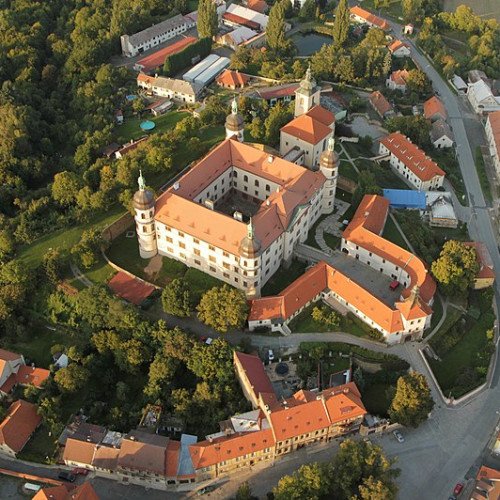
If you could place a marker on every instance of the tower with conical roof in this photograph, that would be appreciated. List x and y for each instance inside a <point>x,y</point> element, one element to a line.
<point>329,167</point>
<point>235,124</point>
<point>250,262</point>
<point>144,208</point>
<point>307,95</point>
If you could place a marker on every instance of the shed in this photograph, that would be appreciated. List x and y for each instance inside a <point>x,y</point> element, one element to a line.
<point>405,198</point>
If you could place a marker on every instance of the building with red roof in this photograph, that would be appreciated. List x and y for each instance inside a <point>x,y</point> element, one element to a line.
<point>84,491</point>
<point>363,16</point>
<point>232,79</point>
<point>434,109</point>
<point>485,276</point>
<point>397,80</point>
<point>399,49</point>
<point>381,105</point>
<point>492,129</point>
<point>18,426</point>
<point>409,161</point>
<point>362,240</point>
<point>130,288</point>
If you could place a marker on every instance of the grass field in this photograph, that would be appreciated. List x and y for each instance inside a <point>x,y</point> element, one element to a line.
<point>283,277</point>
<point>391,233</point>
<point>484,8</point>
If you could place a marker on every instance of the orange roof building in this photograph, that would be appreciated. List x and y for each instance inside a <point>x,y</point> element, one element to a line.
<point>434,109</point>
<point>487,485</point>
<point>399,49</point>
<point>67,492</point>
<point>492,129</point>
<point>232,79</point>
<point>485,276</point>
<point>18,426</point>
<point>13,370</point>
<point>407,316</point>
<point>363,16</point>
<point>380,104</point>
<point>409,161</point>
<point>397,80</point>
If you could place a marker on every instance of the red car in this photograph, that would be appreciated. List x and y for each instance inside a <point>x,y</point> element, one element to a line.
<point>458,489</point>
<point>80,471</point>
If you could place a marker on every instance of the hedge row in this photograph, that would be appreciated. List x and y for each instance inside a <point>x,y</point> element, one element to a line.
<point>179,61</point>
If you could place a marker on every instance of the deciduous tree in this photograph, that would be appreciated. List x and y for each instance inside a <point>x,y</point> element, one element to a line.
<point>341,24</point>
<point>72,378</point>
<point>175,298</point>
<point>207,19</point>
<point>275,29</point>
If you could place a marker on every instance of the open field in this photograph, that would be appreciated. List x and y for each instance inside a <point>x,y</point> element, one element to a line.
<point>483,8</point>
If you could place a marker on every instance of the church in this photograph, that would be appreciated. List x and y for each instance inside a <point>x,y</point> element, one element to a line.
<point>239,212</point>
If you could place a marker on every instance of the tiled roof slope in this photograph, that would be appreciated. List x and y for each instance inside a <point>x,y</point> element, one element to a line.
<point>494,119</point>
<point>412,156</point>
<point>313,126</point>
<point>369,17</point>
<point>21,421</point>
<point>255,373</point>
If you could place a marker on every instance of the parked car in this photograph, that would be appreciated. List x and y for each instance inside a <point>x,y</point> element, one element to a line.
<point>67,476</point>
<point>270,355</point>
<point>458,489</point>
<point>207,489</point>
<point>79,471</point>
<point>399,436</point>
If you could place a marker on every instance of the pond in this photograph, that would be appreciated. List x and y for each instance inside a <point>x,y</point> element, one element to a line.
<point>310,43</point>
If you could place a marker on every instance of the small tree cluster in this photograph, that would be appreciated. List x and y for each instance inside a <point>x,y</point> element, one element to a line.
<point>86,252</point>
<point>176,299</point>
<point>325,316</point>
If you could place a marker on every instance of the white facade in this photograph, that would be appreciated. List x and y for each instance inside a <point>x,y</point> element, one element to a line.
<point>312,152</point>
<point>144,221</point>
<point>443,142</point>
<point>402,51</point>
<point>492,129</point>
<point>394,85</point>
<point>481,98</point>
<point>409,176</point>
<point>176,90</point>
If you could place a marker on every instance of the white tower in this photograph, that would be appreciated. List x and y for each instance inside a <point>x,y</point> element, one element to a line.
<point>328,165</point>
<point>250,263</point>
<point>144,207</point>
<point>307,95</point>
<point>234,123</point>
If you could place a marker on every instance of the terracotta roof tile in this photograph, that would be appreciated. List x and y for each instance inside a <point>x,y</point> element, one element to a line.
<point>483,258</point>
<point>31,375</point>
<point>234,18</point>
<point>144,452</point>
<point>312,127</point>
<point>396,45</point>
<point>79,451</point>
<point>258,5</point>
<point>380,103</point>
<point>434,106</point>
<point>20,423</point>
<point>52,493</point>
<point>83,492</point>
<point>369,17</point>
<point>8,384</point>
<point>399,76</point>
<point>494,120</point>
<point>412,156</point>
<point>255,373</point>
<point>157,58</point>
<point>106,457</point>
<point>172,458</point>
<point>232,78</point>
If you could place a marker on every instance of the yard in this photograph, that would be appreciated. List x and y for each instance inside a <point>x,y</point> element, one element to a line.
<point>464,346</point>
<point>311,235</point>
<point>131,130</point>
<point>391,233</point>
<point>283,277</point>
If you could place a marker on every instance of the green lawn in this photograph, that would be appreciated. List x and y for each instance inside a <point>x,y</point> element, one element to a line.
<point>39,447</point>
<point>347,170</point>
<point>481,172</point>
<point>437,312</point>
<point>391,233</point>
<point>393,10</point>
<point>64,239</point>
<point>331,240</point>
<point>283,277</point>
<point>131,130</point>
<point>199,282</point>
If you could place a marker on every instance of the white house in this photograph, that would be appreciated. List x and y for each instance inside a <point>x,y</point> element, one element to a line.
<point>177,90</point>
<point>492,129</point>
<point>399,49</point>
<point>397,80</point>
<point>481,97</point>
<point>417,169</point>
<point>153,36</point>
<point>441,135</point>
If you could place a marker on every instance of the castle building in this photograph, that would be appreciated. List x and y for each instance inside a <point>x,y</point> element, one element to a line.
<point>312,126</point>
<point>144,208</point>
<point>235,123</point>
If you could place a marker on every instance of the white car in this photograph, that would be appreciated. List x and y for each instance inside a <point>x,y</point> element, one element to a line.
<point>270,355</point>
<point>399,436</point>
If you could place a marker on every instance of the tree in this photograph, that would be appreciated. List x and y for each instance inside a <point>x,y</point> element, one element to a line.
<point>223,308</point>
<point>341,24</point>
<point>307,10</point>
<point>456,267</point>
<point>176,298</point>
<point>86,252</point>
<point>416,128</point>
<point>65,188</point>
<point>244,492</point>
<point>278,116</point>
<point>310,481</point>
<point>53,264</point>
<point>72,378</point>
<point>207,23</point>
<point>417,80</point>
<point>7,244</point>
<point>275,29</point>
<point>325,316</point>
<point>413,400</point>
<point>411,9</point>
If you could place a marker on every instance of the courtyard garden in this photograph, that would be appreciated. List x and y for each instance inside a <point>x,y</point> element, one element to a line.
<point>283,277</point>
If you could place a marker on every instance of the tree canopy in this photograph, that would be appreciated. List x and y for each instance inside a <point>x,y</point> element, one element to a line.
<point>341,24</point>
<point>207,23</point>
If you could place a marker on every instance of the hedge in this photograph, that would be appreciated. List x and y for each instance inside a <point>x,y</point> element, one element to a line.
<point>179,61</point>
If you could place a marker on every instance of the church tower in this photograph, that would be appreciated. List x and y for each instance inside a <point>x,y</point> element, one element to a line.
<point>250,262</point>
<point>144,208</point>
<point>307,95</point>
<point>234,123</point>
<point>329,167</point>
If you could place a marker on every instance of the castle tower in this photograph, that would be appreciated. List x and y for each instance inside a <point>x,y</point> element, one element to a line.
<point>307,95</point>
<point>328,165</point>
<point>235,123</point>
<point>250,263</point>
<point>144,207</point>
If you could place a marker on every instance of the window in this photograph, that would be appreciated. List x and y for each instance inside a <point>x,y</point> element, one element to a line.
<point>268,187</point>
<point>245,178</point>
<point>256,183</point>
<point>226,265</point>
<point>225,254</point>
<point>169,239</point>
<point>235,174</point>
<point>196,240</point>
<point>197,252</point>
<point>226,275</point>
<point>182,255</point>
<point>210,247</point>
<point>236,280</point>
<point>182,245</point>
<point>211,258</point>
<point>143,216</point>
<point>212,268</point>
<point>197,262</point>
<point>144,229</point>
<point>236,269</point>
<point>181,234</point>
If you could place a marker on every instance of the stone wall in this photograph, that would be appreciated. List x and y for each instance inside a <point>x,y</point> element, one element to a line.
<point>118,227</point>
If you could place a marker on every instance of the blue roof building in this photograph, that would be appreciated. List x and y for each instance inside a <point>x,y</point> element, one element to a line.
<point>406,198</point>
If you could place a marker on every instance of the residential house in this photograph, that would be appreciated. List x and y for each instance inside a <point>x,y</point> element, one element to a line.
<point>129,147</point>
<point>399,49</point>
<point>434,109</point>
<point>441,135</point>
<point>279,93</point>
<point>177,90</point>
<point>155,35</point>
<point>381,105</point>
<point>411,162</point>
<point>233,80</point>
<point>397,80</point>
<point>492,129</point>
<point>363,16</point>
<point>441,211</point>
<point>485,276</point>
<point>408,29</point>
<point>18,426</point>
<point>237,15</point>
<point>242,36</point>
<point>481,97</point>
<point>487,485</point>
<point>84,491</point>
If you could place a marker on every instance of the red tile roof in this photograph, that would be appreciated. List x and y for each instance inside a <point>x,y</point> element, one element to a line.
<point>172,458</point>
<point>130,288</point>
<point>83,492</point>
<point>254,372</point>
<point>20,423</point>
<point>258,5</point>
<point>311,127</point>
<point>277,92</point>
<point>483,258</point>
<point>79,451</point>
<point>31,375</point>
<point>105,457</point>
<point>230,78</point>
<point>434,106</point>
<point>412,156</point>
<point>380,103</point>
<point>494,120</point>
<point>8,384</point>
<point>143,452</point>
<point>399,76</point>
<point>396,45</point>
<point>369,17</point>
<point>156,59</point>
<point>241,21</point>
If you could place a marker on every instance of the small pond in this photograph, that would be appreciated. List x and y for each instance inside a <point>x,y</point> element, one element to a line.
<point>310,43</point>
